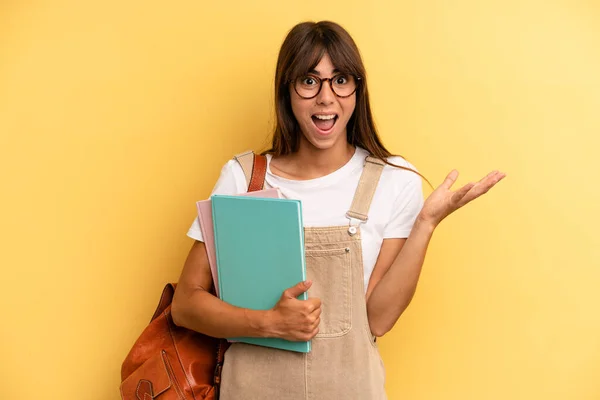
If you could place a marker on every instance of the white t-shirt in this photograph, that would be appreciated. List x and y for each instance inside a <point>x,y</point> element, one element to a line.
<point>325,200</point>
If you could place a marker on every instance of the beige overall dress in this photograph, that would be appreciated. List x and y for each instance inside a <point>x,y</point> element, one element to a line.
<point>344,362</point>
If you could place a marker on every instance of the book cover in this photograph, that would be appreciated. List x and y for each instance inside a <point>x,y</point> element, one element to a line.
<point>204,208</point>
<point>259,246</point>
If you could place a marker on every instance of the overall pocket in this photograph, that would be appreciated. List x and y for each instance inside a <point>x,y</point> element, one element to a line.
<point>332,283</point>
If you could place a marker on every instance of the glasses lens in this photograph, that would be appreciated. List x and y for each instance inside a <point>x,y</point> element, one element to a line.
<point>343,85</point>
<point>308,86</point>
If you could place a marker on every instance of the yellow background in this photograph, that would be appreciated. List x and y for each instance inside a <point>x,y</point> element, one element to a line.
<point>115,117</point>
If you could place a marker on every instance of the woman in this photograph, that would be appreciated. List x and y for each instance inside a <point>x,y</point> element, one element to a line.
<point>363,271</point>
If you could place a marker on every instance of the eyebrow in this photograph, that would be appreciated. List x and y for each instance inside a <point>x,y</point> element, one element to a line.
<point>314,71</point>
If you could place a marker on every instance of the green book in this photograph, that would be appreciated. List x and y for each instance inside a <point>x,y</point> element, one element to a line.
<point>259,245</point>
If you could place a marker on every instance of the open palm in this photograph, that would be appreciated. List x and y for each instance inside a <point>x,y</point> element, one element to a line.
<point>443,201</point>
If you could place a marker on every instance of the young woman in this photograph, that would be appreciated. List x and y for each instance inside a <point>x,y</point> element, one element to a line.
<point>367,228</point>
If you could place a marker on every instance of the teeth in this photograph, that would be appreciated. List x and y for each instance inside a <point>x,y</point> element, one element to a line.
<point>325,117</point>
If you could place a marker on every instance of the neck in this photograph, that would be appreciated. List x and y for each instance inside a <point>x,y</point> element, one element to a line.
<point>317,162</point>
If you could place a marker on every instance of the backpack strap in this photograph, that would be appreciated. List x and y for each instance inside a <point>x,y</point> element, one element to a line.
<point>165,300</point>
<point>255,169</point>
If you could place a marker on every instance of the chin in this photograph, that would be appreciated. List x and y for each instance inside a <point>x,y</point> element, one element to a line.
<point>327,143</point>
<point>325,140</point>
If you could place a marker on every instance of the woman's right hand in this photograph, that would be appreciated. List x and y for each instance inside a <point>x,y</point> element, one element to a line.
<point>293,319</point>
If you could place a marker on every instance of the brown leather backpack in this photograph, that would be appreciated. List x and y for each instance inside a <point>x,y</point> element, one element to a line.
<point>172,361</point>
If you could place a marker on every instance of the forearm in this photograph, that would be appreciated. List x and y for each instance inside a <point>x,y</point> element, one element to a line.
<point>395,290</point>
<point>200,311</point>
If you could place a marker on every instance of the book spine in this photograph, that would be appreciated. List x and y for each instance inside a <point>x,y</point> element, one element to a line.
<point>215,218</point>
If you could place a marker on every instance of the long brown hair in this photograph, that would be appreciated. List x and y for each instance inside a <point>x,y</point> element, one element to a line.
<point>301,51</point>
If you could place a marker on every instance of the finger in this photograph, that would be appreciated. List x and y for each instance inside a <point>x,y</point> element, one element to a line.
<point>297,290</point>
<point>493,177</point>
<point>313,305</point>
<point>460,193</point>
<point>316,312</point>
<point>488,176</point>
<point>315,301</point>
<point>491,180</point>
<point>450,179</point>
<point>314,333</point>
<point>482,187</point>
<point>316,324</point>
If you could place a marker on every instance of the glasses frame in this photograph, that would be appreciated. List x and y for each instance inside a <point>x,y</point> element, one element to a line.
<point>330,80</point>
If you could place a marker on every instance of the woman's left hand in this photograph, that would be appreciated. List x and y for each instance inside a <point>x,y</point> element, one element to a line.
<point>443,202</point>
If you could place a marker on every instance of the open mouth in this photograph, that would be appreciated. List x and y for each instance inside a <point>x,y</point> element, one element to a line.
<point>324,122</point>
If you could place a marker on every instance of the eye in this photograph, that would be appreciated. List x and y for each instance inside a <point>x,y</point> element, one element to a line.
<point>341,80</point>
<point>308,81</point>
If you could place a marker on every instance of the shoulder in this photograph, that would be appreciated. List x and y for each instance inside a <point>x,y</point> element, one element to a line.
<point>401,175</point>
<point>231,179</point>
<point>232,167</point>
<point>400,161</point>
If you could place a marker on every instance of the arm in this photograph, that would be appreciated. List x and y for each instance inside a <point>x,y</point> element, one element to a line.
<point>395,277</point>
<point>387,254</point>
<point>195,308</point>
<point>397,283</point>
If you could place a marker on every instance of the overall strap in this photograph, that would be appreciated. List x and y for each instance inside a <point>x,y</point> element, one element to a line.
<point>255,169</point>
<point>366,189</point>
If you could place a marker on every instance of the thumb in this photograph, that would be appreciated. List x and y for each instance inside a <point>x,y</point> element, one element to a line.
<point>298,289</point>
<point>450,179</point>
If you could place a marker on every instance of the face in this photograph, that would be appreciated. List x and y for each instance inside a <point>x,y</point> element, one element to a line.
<point>323,119</point>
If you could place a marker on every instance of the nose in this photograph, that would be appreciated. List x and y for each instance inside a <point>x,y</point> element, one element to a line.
<point>326,95</point>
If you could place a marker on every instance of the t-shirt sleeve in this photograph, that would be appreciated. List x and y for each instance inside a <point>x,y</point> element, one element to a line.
<point>406,208</point>
<point>231,182</point>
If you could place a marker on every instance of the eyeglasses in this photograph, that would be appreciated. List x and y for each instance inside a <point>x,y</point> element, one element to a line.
<point>310,86</point>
